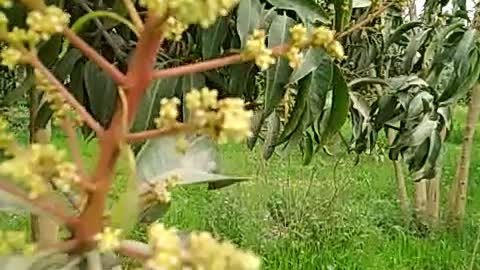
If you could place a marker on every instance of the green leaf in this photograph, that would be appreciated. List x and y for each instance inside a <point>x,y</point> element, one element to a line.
<point>308,10</point>
<point>159,159</point>
<point>273,130</point>
<point>249,16</point>
<point>293,121</point>
<point>462,53</point>
<point>358,82</point>
<point>307,148</point>
<point>241,79</point>
<point>340,105</point>
<point>48,52</point>
<point>66,64</point>
<point>319,83</point>
<point>399,32</point>
<point>412,49</point>
<point>213,37</point>
<point>150,103</point>
<point>257,122</point>
<point>102,93</point>
<point>125,211</point>
<point>278,74</point>
<point>312,60</point>
<point>343,13</point>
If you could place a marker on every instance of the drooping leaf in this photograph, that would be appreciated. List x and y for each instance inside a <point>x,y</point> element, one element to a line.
<point>308,10</point>
<point>399,32</point>
<point>159,159</point>
<point>340,105</point>
<point>312,60</point>
<point>102,93</point>
<point>307,148</point>
<point>412,49</point>
<point>241,79</point>
<point>213,38</point>
<point>297,111</point>
<point>256,125</point>
<point>273,130</point>
<point>67,63</point>
<point>17,93</point>
<point>125,210</point>
<point>249,15</point>
<point>278,74</point>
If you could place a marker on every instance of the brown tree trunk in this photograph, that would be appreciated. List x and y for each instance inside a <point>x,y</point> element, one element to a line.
<point>458,191</point>
<point>402,195</point>
<point>44,231</point>
<point>420,198</point>
<point>433,192</point>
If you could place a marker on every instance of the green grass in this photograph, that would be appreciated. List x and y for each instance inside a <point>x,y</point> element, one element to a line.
<point>329,215</point>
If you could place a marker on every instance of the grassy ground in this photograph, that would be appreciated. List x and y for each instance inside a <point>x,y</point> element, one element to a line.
<point>329,215</point>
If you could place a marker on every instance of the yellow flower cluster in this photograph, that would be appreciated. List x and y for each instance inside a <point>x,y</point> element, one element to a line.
<point>6,3</point>
<point>255,49</point>
<point>108,240</point>
<point>161,191</point>
<point>7,140</point>
<point>201,251</point>
<point>174,29</point>
<point>61,109</point>
<point>47,22</point>
<point>41,25</point>
<point>35,166</point>
<point>168,112</point>
<point>14,242</point>
<point>321,37</point>
<point>221,119</point>
<point>202,12</point>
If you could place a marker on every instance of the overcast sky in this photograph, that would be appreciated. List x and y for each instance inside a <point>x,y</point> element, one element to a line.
<point>470,5</point>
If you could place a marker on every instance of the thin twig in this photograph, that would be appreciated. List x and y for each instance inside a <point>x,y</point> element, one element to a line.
<point>135,249</point>
<point>154,133</point>
<point>72,143</point>
<point>361,24</point>
<point>35,203</point>
<point>69,98</point>
<point>209,64</point>
<point>93,55</point>
<point>132,11</point>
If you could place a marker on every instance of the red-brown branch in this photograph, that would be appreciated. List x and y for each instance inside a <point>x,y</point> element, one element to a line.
<point>209,64</point>
<point>69,98</point>
<point>93,55</point>
<point>51,210</point>
<point>137,80</point>
<point>154,133</point>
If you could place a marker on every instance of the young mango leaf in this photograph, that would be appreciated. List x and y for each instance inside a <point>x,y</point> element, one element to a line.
<point>160,159</point>
<point>278,74</point>
<point>343,13</point>
<point>249,16</point>
<point>213,37</point>
<point>308,10</point>
<point>102,93</point>
<point>125,210</point>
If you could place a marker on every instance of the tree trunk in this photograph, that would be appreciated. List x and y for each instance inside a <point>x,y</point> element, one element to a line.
<point>402,195</point>
<point>412,10</point>
<point>433,191</point>
<point>458,192</point>
<point>44,231</point>
<point>420,195</point>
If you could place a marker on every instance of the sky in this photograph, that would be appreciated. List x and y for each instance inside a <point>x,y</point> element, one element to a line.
<point>420,3</point>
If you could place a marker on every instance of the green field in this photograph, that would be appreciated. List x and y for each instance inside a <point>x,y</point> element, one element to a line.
<point>329,215</point>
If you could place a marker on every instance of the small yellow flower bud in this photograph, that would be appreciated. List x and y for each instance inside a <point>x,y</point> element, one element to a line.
<point>298,35</point>
<point>108,240</point>
<point>322,36</point>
